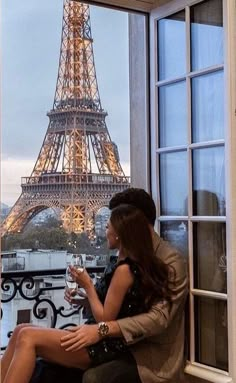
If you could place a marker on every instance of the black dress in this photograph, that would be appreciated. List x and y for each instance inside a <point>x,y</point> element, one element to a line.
<point>109,348</point>
<point>113,348</point>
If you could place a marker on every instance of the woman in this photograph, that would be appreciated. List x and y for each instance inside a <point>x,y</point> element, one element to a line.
<point>129,287</point>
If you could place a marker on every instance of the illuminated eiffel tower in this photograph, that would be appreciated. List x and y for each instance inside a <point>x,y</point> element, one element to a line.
<point>76,138</point>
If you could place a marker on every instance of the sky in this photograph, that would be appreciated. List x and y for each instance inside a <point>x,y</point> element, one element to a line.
<point>30,45</point>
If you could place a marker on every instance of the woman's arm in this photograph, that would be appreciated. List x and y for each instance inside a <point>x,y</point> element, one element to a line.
<point>132,329</point>
<point>121,281</point>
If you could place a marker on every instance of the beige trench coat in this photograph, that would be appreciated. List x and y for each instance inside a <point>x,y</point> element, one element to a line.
<point>156,338</point>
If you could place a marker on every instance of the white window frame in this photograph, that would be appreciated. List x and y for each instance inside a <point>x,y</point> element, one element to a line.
<point>229,12</point>
<point>140,158</point>
<point>200,371</point>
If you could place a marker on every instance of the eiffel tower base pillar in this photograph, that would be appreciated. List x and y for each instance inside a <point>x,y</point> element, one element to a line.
<point>78,219</point>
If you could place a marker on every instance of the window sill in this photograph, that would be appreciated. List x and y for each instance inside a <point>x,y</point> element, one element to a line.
<point>207,373</point>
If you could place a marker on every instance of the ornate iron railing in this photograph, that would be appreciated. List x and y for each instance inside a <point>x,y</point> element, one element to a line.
<point>23,284</point>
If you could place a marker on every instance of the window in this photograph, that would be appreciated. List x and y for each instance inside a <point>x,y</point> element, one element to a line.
<point>28,84</point>
<point>23,316</point>
<point>188,136</point>
<point>92,147</point>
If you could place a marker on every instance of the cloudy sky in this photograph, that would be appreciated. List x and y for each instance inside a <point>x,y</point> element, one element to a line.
<point>31,34</point>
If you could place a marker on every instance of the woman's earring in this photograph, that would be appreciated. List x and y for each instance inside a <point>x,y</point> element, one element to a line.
<point>117,238</point>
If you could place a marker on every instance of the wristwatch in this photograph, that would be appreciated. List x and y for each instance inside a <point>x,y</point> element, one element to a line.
<point>103,329</point>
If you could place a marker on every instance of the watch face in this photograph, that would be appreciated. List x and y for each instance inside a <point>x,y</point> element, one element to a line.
<point>103,329</point>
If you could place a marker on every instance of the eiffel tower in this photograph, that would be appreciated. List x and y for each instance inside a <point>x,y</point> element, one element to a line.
<point>77,138</point>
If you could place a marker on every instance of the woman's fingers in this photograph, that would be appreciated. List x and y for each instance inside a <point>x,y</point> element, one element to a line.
<point>70,335</point>
<point>73,342</point>
<point>76,346</point>
<point>69,296</point>
<point>79,337</point>
<point>83,279</point>
<point>65,343</point>
<point>73,272</point>
<point>81,293</point>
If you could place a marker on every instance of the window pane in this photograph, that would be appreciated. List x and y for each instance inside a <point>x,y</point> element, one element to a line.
<point>173,183</point>
<point>209,250</point>
<point>176,232</point>
<point>206,34</point>
<point>208,107</point>
<point>209,181</point>
<point>173,114</point>
<point>171,46</point>
<point>211,332</point>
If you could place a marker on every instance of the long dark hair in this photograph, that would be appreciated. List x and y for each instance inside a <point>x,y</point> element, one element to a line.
<point>133,230</point>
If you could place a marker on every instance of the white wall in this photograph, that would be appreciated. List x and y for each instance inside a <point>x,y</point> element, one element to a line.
<point>43,259</point>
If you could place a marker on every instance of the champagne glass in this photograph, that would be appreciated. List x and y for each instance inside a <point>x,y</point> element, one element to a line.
<point>78,263</point>
<point>70,283</point>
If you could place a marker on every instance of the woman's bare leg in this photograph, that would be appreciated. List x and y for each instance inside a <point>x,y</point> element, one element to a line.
<point>8,354</point>
<point>46,343</point>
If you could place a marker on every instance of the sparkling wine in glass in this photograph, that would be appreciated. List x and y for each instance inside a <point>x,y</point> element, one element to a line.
<point>77,262</point>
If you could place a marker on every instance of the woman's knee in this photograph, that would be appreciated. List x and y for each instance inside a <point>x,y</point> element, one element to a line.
<point>24,336</point>
<point>16,331</point>
<point>22,326</point>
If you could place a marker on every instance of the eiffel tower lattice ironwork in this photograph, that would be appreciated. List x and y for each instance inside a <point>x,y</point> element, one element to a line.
<point>63,175</point>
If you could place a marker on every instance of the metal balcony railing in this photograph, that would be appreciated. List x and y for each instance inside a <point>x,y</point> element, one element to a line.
<point>33,286</point>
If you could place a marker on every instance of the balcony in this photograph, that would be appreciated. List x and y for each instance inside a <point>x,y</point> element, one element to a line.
<point>36,296</point>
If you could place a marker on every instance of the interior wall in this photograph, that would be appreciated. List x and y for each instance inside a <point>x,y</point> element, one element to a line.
<point>139,101</point>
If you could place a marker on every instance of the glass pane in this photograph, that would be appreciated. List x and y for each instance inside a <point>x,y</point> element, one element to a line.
<point>209,250</point>
<point>176,232</point>
<point>171,46</point>
<point>206,34</point>
<point>208,107</point>
<point>211,332</point>
<point>173,183</point>
<point>209,181</point>
<point>173,114</point>
<point>29,83</point>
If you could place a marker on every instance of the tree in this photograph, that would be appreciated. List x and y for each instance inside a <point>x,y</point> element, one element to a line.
<point>51,235</point>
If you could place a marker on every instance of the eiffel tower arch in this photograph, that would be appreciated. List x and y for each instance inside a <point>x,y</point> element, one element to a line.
<point>77,137</point>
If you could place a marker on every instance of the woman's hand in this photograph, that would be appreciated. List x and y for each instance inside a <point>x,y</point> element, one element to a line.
<point>71,296</point>
<point>79,337</point>
<point>81,277</point>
